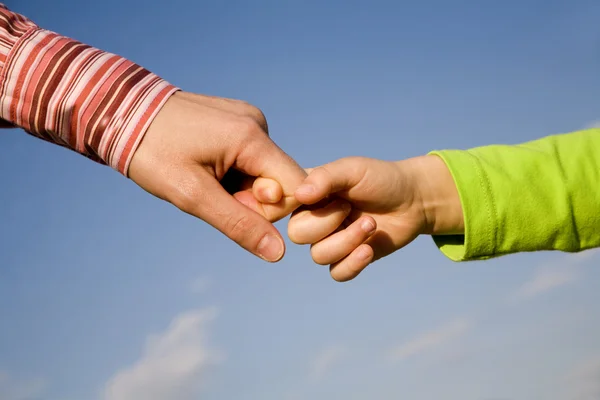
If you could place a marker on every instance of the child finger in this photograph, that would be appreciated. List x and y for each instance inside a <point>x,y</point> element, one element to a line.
<point>308,226</point>
<point>267,191</point>
<point>351,266</point>
<point>337,246</point>
<point>328,179</point>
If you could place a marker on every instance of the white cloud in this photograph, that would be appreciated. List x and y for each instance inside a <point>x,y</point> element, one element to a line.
<point>325,360</point>
<point>432,339</point>
<point>173,364</point>
<point>200,285</point>
<point>584,381</point>
<point>595,124</point>
<point>565,271</point>
<point>545,280</point>
<point>12,389</point>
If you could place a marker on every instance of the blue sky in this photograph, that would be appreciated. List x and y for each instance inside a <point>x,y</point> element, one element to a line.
<point>107,293</point>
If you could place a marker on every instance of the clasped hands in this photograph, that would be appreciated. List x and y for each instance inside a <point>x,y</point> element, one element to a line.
<point>212,158</point>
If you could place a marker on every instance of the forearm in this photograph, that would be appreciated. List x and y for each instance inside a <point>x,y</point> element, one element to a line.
<point>541,195</point>
<point>437,196</point>
<point>62,91</point>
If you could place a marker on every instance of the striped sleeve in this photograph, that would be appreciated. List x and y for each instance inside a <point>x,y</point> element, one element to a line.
<point>60,90</point>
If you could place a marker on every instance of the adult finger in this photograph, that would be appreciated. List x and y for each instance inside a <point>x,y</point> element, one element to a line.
<point>208,201</point>
<point>339,245</point>
<point>328,179</point>
<point>263,158</point>
<point>309,226</point>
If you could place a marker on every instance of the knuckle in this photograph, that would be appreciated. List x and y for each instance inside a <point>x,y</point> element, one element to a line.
<point>251,138</point>
<point>255,114</point>
<point>240,227</point>
<point>248,127</point>
<point>318,173</point>
<point>322,177</point>
<point>250,111</point>
<point>181,202</point>
<point>185,196</point>
<point>327,172</point>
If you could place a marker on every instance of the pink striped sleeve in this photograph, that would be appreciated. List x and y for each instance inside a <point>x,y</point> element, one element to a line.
<point>65,92</point>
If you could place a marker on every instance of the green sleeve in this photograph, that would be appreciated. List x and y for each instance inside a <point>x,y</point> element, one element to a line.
<point>540,195</point>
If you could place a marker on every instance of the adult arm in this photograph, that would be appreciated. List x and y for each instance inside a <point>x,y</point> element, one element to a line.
<point>199,153</point>
<point>60,90</point>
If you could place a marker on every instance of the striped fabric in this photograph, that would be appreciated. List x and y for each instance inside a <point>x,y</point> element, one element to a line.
<point>65,92</point>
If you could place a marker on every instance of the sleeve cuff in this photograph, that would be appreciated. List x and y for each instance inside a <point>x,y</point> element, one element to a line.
<point>90,101</point>
<point>478,206</point>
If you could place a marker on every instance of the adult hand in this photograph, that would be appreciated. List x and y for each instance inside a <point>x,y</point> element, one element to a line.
<point>203,153</point>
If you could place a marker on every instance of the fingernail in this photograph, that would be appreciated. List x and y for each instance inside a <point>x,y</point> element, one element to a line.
<point>367,226</point>
<point>270,248</point>
<point>364,253</point>
<point>346,207</point>
<point>306,189</point>
<point>269,194</point>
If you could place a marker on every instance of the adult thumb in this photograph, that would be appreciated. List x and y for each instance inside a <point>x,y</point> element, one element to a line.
<point>263,158</point>
<point>242,225</point>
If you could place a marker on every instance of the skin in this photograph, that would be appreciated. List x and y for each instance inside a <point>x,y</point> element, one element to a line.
<point>202,154</point>
<point>358,210</point>
<point>212,158</point>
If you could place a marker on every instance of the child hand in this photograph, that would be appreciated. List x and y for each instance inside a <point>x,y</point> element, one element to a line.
<point>366,209</point>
